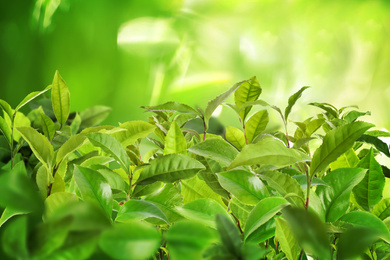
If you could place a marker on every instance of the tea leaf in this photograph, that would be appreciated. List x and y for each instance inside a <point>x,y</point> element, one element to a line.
<point>286,239</point>
<point>284,184</point>
<point>335,197</point>
<point>229,234</point>
<point>70,146</point>
<point>6,130</point>
<point>335,143</point>
<point>111,146</point>
<point>382,209</point>
<point>353,115</point>
<point>175,141</point>
<point>170,168</point>
<point>209,175</point>
<point>30,97</point>
<point>203,211</point>
<point>48,126</point>
<point>244,185</point>
<point>262,212</point>
<point>349,159</point>
<point>20,120</point>
<point>367,220</point>
<point>256,124</point>
<point>216,149</point>
<point>292,100</point>
<point>9,212</point>
<point>268,151</point>
<point>39,144</point>
<point>60,97</point>
<point>235,136</point>
<point>139,210</point>
<point>93,116</point>
<point>57,200</point>
<point>113,179</point>
<point>213,104</point>
<point>240,210</point>
<point>378,143</point>
<point>15,237</point>
<point>134,240</point>
<point>173,106</point>
<point>195,188</point>
<point>6,108</point>
<point>248,91</point>
<point>134,131</point>
<point>327,107</point>
<point>94,188</point>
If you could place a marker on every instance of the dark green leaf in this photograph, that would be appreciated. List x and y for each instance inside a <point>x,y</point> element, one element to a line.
<point>15,237</point>
<point>248,91</point>
<point>135,240</point>
<point>268,151</point>
<point>327,107</point>
<point>378,143</point>
<point>230,236</point>
<point>292,100</point>
<point>94,188</point>
<point>335,197</point>
<point>335,143</point>
<point>210,177</point>
<point>216,149</point>
<point>170,168</point>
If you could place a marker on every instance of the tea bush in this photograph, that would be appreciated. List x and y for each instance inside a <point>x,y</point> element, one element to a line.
<point>72,189</point>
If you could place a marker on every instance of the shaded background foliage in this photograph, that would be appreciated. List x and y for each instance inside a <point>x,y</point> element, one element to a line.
<point>125,54</point>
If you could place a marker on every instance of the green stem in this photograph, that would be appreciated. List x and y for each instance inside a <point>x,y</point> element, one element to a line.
<point>12,140</point>
<point>308,180</point>
<point>243,128</point>
<point>130,185</point>
<point>205,129</point>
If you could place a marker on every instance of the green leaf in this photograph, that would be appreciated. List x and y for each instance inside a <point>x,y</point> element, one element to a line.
<point>264,232</point>
<point>210,177</point>
<point>369,191</point>
<point>170,168</point>
<point>7,108</point>
<point>288,244</point>
<point>60,98</point>
<point>240,210</point>
<point>48,126</point>
<point>235,136</point>
<point>349,159</point>
<point>113,178</point>
<point>309,231</point>
<point>382,209</point>
<point>6,130</point>
<point>94,188</point>
<point>335,197</point>
<point>9,212</point>
<point>20,120</point>
<point>244,185</point>
<point>134,131</point>
<point>335,143</point>
<point>139,210</point>
<point>194,188</point>
<point>256,124</point>
<point>203,210</point>
<point>189,239</point>
<point>15,237</point>
<point>58,184</point>
<point>353,115</point>
<point>30,97</point>
<point>173,106</point>
<point>69,147</point>
<point>292,100</point>
<point>75,125</point>
<point>378,143</point>
<point>111,146</point>
<point>216,149</point>
<point>39,144</point>
<point>367,220</point>
<point>213,104</point>
<point>248,91</point>
<point>262,212</point>
<point>56,201</point>
<point>135,240</point>
<point>302,180</point>
<point>378,133</point>
<point>175,143</point>
<point>230,236</point>
<point>93,116</point>
<point>327,107</point>
<point>268,151</point>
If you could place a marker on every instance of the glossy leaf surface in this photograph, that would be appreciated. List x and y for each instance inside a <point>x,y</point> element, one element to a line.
<point>60,97</point>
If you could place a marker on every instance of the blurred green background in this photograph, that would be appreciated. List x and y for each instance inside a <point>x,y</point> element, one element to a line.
<point>125,54</point>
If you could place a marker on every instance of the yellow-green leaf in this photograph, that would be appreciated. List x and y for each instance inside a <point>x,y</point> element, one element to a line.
<point>60,98</point>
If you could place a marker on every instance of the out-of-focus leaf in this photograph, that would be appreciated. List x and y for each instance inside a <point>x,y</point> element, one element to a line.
<point>213,104</point>
<point>353,115</point>
<point>8,213</point>
<point>93,116</point>
<point>5,130</point>
<point>335,143</point>
<point>135,240</point>
<point>256,124</point>
<point>245,186</point>
<point>262,212</point>
<point>60,98</point>
<point>302,180</point>
<point>112,146</point>
<point>284,184</point>
<point>170,168</point>
<point>203,210</point>
<point>175,143</point>
<point>327,107</point>
<point>58,200</point>
<point>94,188</point>
<point>189,239</point>
<point>134,131</point>
<point>75,125</point>
<point>292,100</point>
<point>39,144</point>
<point>248,91</point>
<point>235,136</point>
<point>173,106</point>
<point>58,184</point>
<point>15,237</point>
<point>139,210</point>
<point>216,149</point>
<point>288,244</point>
<point>268,151</point>
<point>335,197</point>
<point>230,236</point>
<point>309,231</point>
<point>369,191</point>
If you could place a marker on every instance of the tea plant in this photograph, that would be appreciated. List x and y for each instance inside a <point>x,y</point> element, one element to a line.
<point>71,189</point>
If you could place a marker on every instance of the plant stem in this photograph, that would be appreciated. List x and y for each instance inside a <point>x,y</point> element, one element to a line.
<point>205,129</point>
<point>12,140</point>
<point>308,180</point>
<point>301,254</point>
<point>243,128</point>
